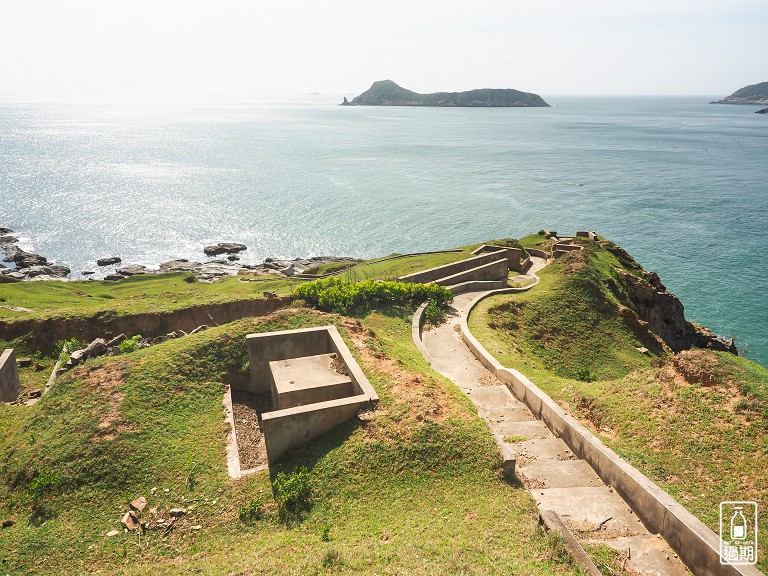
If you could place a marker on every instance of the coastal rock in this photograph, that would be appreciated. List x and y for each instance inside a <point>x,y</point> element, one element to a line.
<point>665,315</point>
<point>233,258</point>
<point>387,93</point>
<point>114,277</point>
<point>24,259</point>
<point>8,240</point>
<point>763,111</point>
<point>224,248</point>
<point>6,230</point>
<point>178,265</point>
<point>108,261</point>
<point>132,269</point>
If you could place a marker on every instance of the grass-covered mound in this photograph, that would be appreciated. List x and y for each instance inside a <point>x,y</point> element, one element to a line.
<point>696,423</point>
<point>573,324</point>
<point>412,487</point>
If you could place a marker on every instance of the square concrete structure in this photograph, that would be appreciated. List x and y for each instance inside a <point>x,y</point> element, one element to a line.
<point>310,396</point>
<point>9,376</point>
<point>307,380</point>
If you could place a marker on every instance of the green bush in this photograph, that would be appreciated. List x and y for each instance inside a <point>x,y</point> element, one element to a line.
<point>293,493</point>
<point>64,348</point>
<point>343,296</point>
<point>511,243</point>
<point>585,375</point>
<point>251,512</point>
<point>130,344</point>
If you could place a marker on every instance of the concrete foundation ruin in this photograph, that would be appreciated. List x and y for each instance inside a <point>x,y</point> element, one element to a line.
<point>313,380</point>
<point>9,376</point>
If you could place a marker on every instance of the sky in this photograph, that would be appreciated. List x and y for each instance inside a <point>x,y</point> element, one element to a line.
<point>238,50</point>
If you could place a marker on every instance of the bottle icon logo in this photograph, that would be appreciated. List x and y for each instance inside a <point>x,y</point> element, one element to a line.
<point>738,533</point>
<point>738,525</point>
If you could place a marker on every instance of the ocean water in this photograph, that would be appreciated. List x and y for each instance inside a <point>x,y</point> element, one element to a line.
<point>680,183</point>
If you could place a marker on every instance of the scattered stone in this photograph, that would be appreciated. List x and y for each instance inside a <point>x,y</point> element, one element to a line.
<point>114,277</point>
<point>224,248</point>
<point>8,523</point>
<point>117,340</point>
<point>642,350</point>
<point>196,527</point>
<point>139,504</point>
<point>199,329</point>
<point>166,490</point>
<point>87,272</point>
<point>24,362</point>
<point>177,512</point>
<point>159,340</point>
<point>112,533</point>
<point>289,270</point>
<point>108,261</point>
<point>132,270</point>
<point>96,348</point>
<point>270,295</point>
<point>77,357</point>
<point>130,521</point>
<point>152,491</point>
<point>35,394</point>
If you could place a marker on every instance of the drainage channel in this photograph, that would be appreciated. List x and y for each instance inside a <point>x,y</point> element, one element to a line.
<point>558,480</point>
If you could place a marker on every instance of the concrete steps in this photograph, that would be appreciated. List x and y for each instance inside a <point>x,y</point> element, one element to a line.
<point>557,480</point>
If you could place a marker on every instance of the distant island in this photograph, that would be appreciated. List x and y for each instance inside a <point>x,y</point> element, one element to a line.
<point>753,94</point>
<point>387,93</point>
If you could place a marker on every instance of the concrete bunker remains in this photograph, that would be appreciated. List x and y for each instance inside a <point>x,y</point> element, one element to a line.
<point>314,384</point>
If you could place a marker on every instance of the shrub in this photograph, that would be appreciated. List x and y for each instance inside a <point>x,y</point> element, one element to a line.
<point>130,344</point>
<point>510,243</point>
<point>64,348</point>
<point>293,493</point>
<point>343,296</point>
<point>585,375</point>
<point>251,512</point>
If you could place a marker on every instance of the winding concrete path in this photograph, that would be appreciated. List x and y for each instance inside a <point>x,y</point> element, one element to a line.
<point>557,479</point>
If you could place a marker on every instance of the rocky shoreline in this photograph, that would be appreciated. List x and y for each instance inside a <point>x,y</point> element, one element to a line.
<point>19,265</point>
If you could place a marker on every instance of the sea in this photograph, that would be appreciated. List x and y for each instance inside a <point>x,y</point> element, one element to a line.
<point>680,183</point>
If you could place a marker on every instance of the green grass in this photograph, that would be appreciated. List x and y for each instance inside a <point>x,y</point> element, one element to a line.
<point>134,295</point>
<point>701,443</point>
<point>414,488</point>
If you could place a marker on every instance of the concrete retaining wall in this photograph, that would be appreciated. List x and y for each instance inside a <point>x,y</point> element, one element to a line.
<point>291,427</point>
<point>492,271</point>
<point>539,253</point>
<point>513,256</point>
<point>697,545</point>
<point>286,429</point>
<point>9,376</point>
<point>434,274</point>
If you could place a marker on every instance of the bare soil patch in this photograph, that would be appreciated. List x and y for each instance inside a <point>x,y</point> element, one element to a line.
<point>247,410</point>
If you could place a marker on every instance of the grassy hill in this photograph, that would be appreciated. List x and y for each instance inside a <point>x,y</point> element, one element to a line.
<point>412,487</point>
<point>752,94</point>
<point>696,423</point>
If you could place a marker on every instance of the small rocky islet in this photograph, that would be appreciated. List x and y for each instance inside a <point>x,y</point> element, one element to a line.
<point>23,265</point>
<point>387,93</point>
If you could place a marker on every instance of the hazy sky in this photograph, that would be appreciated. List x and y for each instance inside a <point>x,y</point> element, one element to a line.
<point>235,49</point>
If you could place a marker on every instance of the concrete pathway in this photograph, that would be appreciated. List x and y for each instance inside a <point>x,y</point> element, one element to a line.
<point>554,476</point>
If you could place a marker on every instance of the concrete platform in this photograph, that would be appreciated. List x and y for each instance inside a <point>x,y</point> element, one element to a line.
<point>532,430</point>
<point>648,554</point>
<point>545,448</point>
<point>307,380</point>
<point>596,511</point>
<point>558,474</point>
